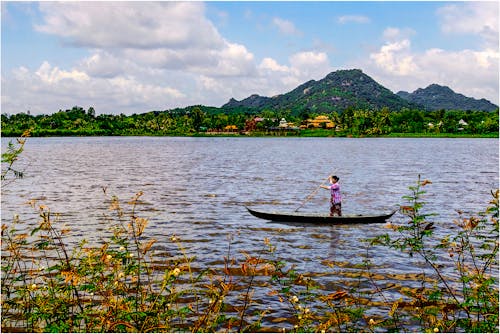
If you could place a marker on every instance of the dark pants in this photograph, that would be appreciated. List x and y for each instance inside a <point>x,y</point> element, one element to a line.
<point>336,209</point>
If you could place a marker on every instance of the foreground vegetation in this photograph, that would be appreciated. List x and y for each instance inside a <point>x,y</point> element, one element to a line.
<point>198,120</point>
<point>124,285</point>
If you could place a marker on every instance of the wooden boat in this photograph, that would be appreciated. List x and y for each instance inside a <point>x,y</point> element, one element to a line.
<point>295,217</point>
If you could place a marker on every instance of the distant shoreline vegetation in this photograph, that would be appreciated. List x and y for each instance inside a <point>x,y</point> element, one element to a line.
<point>241,121</point>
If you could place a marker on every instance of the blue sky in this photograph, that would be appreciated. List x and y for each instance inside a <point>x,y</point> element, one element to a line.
<point>133,57</point>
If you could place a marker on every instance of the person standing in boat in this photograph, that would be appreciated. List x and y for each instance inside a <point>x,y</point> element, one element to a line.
<point>336,197</point>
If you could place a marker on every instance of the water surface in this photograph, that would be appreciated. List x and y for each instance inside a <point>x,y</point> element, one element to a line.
<point>197,190</point>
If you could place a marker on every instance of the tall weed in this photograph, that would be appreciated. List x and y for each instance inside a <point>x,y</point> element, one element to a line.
<point>468,299</point>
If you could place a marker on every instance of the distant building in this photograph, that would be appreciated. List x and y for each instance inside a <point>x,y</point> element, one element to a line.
<point>320,122</point>
<point>251,124</point>
<point>283,124</point>
<point>461,124</point>
<point>230,128</point>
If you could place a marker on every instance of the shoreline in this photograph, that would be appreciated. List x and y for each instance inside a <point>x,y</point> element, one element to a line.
<point>265,135</point>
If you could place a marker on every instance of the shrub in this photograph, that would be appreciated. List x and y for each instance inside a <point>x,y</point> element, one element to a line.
<point>470,303</point>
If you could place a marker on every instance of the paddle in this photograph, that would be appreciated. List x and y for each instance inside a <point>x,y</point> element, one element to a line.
<point>311,194</point>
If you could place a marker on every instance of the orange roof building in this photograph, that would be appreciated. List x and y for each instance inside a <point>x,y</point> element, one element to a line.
<point>319,121</point>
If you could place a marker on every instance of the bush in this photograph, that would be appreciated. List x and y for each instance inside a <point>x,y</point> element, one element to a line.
<point>472,304</point>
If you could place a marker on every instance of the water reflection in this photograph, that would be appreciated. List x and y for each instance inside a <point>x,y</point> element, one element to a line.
<point>334,242</point>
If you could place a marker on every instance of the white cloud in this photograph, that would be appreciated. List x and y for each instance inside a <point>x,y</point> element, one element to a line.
<point>52,75</point>
<point>477,18</point>
<point>230,60</point>
<point>310,64</point>
<point>286,27</point>
<point>49,89</point>
<point>104,65</point>
<point>395,34</point>
<point>131,89</point>
<point>472,73</point>
<point>149,56</point>
<point>165,35</point>
<point>360,19</point>
<point>144,25</point>
<point>211,84</point>
<point>395,58</point>
<point>269,64</point>
<point>162,55</point>
<point>233,60</point>
<point>271,77</point>
<point>275,78</point>
<point>142,88</point>
<point>469,72</point>
<point>308,58</point>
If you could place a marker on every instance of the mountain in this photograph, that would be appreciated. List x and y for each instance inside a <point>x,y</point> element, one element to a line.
<point>436,97</point>
<point>335,92</point>
<point>253,101</point>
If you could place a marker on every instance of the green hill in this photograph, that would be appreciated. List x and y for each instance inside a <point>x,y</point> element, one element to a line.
<point>335,92</point>
<point>436,97</point>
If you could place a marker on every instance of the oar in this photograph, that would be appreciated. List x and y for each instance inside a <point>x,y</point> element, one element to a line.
<point>311,194</point>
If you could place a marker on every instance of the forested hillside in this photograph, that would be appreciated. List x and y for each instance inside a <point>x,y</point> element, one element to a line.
<point>334,93</point>
<point>353,88</point>
<point>436,97</point>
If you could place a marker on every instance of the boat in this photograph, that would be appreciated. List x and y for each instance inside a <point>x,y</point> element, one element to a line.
<point>296,217</point>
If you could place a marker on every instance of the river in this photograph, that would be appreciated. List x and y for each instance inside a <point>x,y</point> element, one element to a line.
<point>197,190</point>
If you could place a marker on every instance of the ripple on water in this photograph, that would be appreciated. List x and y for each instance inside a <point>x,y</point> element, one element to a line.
<point>197,189</point>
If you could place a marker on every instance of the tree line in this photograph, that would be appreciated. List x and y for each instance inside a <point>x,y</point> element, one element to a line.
<point>199,119</point>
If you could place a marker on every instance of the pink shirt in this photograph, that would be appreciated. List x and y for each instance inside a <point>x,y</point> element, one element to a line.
<point>335,192</point>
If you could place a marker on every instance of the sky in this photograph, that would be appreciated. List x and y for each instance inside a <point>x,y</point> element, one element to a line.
<point>135,57</point>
